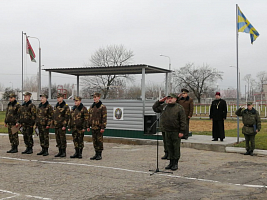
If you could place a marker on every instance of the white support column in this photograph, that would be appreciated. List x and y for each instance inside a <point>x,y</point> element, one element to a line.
<point>143,84</point>
<point>49,85</point>
<point>78,85</point>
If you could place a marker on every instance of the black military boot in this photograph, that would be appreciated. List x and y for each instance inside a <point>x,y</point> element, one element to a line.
<point>247,153</point>
<point>170,165</point>
<point>12,148</point>
<point>175,165</point>
<point>45,152</point>
<point>251,153</point>
<point>26,150</point>
<point>80,153</point>
<point>99,156</point>
<point>15,150</point>
<point>165,156</point>
<point>29,151</point>
<point>94,157</point>
<point>63,153</point>
<point>41,152</point>
<point>59,153</point>
<point>76,154</point>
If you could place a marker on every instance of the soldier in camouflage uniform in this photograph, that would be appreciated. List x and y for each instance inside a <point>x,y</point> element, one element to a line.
<point>27,117</point>
<point>97,122</point>
<point>60,121</point>
<point>43,121</point>
<point>78,124</point>
<point>252,125</point>
<point>12,117</point>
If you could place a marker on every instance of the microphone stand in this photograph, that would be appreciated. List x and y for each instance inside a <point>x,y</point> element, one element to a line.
<point>157,169</point>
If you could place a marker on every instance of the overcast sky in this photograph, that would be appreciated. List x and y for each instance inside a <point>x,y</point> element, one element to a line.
<point>198,31</point>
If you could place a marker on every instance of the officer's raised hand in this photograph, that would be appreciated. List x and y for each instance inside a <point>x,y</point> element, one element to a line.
<point>163,99</point>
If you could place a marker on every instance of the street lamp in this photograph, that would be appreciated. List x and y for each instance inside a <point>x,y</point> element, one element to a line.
<point>170,79</point>
<point>39,82</point>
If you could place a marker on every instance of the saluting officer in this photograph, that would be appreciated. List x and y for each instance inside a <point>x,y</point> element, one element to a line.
<point>12,117</point>
<point>98,123</point>
<point>27,117</point>
<point>78,124</point>
<point>43,122</point>
<point>60,121</point>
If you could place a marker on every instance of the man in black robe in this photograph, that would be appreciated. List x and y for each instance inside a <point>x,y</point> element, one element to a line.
<point>218,113</point>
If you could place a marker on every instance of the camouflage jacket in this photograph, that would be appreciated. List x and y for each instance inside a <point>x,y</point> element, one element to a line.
<point>12,115</point>
<point>250,119</point>
<point>79,117</point>
<point>98,116</point>
<point>61,115</point>
<point>27,114</point>
<point>44,114</point>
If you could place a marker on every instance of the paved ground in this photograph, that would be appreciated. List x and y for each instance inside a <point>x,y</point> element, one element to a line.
<point>124,174</point>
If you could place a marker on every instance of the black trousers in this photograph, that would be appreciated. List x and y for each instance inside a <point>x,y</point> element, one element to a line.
<point>218,129</point>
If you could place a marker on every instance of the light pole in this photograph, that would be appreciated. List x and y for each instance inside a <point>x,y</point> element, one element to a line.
<point>12,85</point>
<point>39,82</point>
<point>170,79</point>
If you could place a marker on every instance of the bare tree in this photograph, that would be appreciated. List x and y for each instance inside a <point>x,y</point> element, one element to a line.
<point>247,79</point>
<point>31,84</point>
<point>112,55</point>
<point>198,79</point>
<point>262,77</point>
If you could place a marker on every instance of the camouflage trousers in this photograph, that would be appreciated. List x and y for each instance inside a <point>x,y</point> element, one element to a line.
<point>77,135</point>
<point>97,139</point>
<point>61,138</point>
<point>44,136</point>
<point>13,138</point>
<point>173,145</point>
<point>250,139</point>
<point>27,136</point>
<point>164,142</point>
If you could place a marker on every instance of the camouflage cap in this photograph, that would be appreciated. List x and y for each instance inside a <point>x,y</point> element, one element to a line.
<point>249,103</point>
<point>172,95</point>
<point>44,95</point>
<point>12,95</point>
<point>97,94</point>
<point>28,94</point>
<point>60,95</point>
<point>77,98</point>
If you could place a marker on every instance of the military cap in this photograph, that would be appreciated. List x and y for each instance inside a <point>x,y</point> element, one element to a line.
<point>77,98</point>
<point>97,94</point>
<point>60,95</point>
<point>218,93</point>
<point>44,95</point>
<point>249,103</point>
<point>172,95</point>
<point>28,94</point>
<point>12,95</point>
<point>184,90</point>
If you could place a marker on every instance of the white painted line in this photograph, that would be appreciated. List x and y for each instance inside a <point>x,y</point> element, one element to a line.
<point>135,171</point>
<point>9,192</point>
<point>36,197</point>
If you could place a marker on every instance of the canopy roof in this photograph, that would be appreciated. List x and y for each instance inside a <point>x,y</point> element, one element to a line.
<point>113,70</point>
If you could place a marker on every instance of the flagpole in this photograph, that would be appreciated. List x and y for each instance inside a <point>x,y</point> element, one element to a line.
<point>237,68</point>
<point>22,70</point>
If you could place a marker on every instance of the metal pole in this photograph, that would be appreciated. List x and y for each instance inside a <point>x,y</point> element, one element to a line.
<point>166,85</point>
<point>39,84</point>
<point>22,71</point>
<point>237,102</point>
<point>78,85</point>
<point>49,85</point>
<point>170,78</point>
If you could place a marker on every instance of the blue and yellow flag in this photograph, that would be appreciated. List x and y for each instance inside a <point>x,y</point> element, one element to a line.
<point>243,25</point>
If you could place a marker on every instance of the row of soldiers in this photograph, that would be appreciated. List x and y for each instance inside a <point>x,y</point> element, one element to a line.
<point>78,119</point>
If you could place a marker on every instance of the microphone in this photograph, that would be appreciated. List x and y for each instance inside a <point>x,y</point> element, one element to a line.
<point>165,107</point>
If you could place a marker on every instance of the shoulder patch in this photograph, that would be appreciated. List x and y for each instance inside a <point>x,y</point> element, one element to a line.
<point>17,102</point>
<point>66,104</point>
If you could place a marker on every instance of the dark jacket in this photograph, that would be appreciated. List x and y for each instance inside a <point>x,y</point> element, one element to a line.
<point>173,118</point>
<point>251,120</point>
<point>61,115</point>
<point>218,110</point>
<point>98,116</point>
<point>187,104</point>
<point>44,114</point>
<point>79,117</point>
<point>27,114</point>
<point>12,115</point>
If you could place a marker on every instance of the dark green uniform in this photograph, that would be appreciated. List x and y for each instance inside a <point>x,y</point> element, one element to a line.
<point>61,117</point>
<point>252,122</point>
<point>78,123</point>
<point>43,120</point>
<point>11,119</point>
<point>173,121</point>
<point>97,121</point>
<point>27,117</point>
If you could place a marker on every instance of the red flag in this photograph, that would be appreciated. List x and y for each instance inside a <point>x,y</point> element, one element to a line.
<point>30,51</point>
